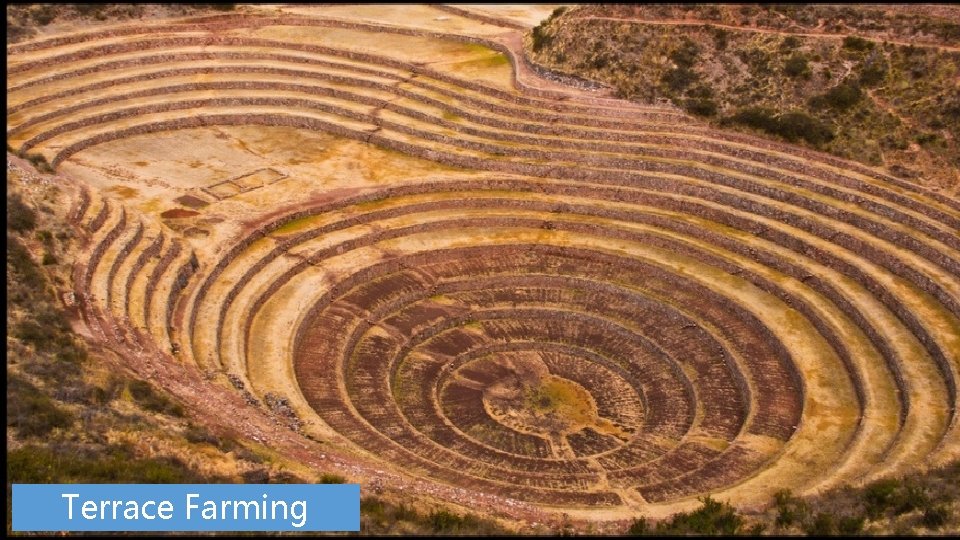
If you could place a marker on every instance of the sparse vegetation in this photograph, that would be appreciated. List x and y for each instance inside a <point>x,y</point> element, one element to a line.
<point>378,516</point>
<point>892,504</point>
<point>67,463</point>
<point>31,412</point>
<point>711,519</point>
<point>857,98</point>
<point>21,264</point>
<point>23,19</point>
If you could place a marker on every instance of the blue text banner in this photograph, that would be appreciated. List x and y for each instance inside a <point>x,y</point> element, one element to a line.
<point>186,507</point>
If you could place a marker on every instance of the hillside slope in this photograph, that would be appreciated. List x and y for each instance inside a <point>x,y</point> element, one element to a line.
<point>876,85</point>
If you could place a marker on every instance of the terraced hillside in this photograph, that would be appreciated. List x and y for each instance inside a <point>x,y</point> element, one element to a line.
<point>380,228</point>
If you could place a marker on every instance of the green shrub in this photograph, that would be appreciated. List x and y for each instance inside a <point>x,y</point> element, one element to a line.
<point>372,507</point>
<point>797,66</point>
<point>540,38</point>
<point>795,126</point>
<point>107,393</point>
<point>145,395</point>
<point>790,509</point>
<point>721,38</point>
<point>856,43</point>
<point>44,236</point>
<point>256,476</point>
<point>925,139</point>
<point>285,477</point>
<point>31,411</point>
<point>69,351</point>
<point>840,97</point>
<point>199,435</point>
<point>911,497</point>
<point>49,258</point>
<point>30,332</point>
<point>873,72</point>
<point>935,517</point>
<point>381,517</point>
<point>755,117</point>
<point>405,513</point>
<point>444,521</point>
<point>952,111</point>
<point>539,35</point>
<point>87,10</point>
<point>44,15</point>
<point>848,525</point>
<point>16,33</point>
<point>792,126</point>
<point>702,91</point>
<point>712,518</point>
<point>758,61</point>
<point>822,525</point>
<point>46,329</point>
<point>677,79</point>
<point>711,13</point>
<point>686,54</point>
<point>40,163</point>
<point>52,319</point>
<point>639,527</point>
<point>216,7</point>
<point>789,43</point>
<point>329,478</point>
<point>701,107</point>
<point>893,496</point>
<point>893,142</point>
<point>20,217</point>
<point>880,496</point>
<point>599,61</point>
<point>22,265</point>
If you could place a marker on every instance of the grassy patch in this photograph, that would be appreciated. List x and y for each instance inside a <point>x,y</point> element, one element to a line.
<point>379,516</point>
<point>114,464</point>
